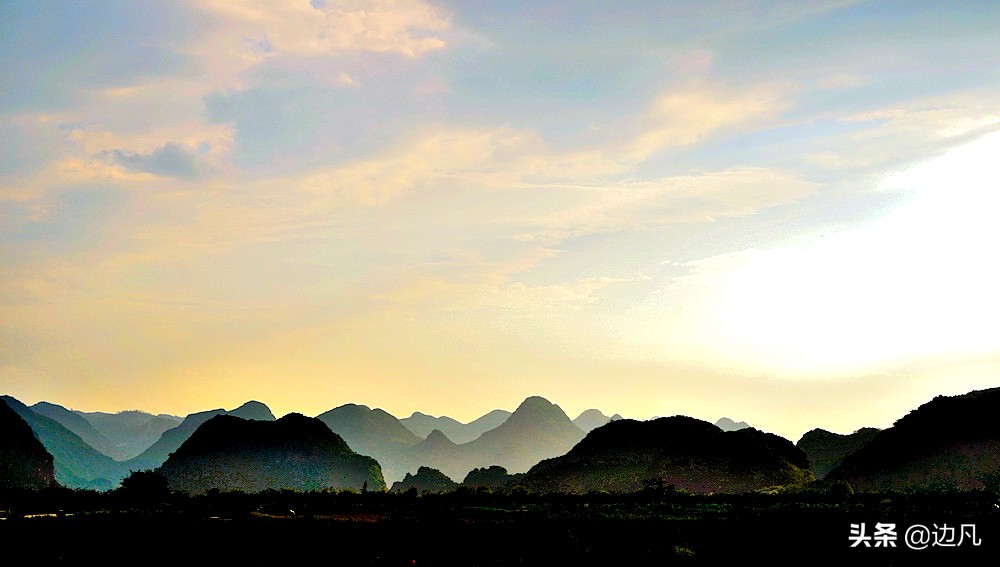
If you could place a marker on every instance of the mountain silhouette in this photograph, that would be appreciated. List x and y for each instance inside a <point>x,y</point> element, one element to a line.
<point>682,451</point>
<point>130,432</point>
<point>373,432</point>
<point>172,439</point>
<point>727,424</point>
<point>948,443</point>
<point>536,430</point>
<point>422,424</point>
<point>76,464</point>
<point>253,410</point>
<point>295,452</point>
<point>426,480</point>
<point>592,419</point>
<point>78,425</point>
<point>827,450</point>
<point>24,462</point>
<point>494,478</point>
<point>437,443</point>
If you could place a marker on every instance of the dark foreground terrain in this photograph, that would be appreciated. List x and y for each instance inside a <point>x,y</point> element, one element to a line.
<point>652,527</point>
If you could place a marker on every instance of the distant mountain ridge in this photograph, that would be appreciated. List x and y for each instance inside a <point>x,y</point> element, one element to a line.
<point>591,419</point>
<point>422,424</point>
<point>727,424</point>
<point>538,429</point>
<point>130,432</point>
<point>78,425</point>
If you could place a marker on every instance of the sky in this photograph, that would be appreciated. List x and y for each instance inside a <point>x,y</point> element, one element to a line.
<point>777,211</point>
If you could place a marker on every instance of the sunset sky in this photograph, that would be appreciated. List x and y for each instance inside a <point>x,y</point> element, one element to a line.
<point>784,212</point>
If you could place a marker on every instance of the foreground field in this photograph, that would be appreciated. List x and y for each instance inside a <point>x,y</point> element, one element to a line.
<point>481,528</point>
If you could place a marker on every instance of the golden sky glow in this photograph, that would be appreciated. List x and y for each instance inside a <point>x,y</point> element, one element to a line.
<point>783,213</point>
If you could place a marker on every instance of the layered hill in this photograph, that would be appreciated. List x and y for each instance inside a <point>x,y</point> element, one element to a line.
<point>173,438</point>
<point>76,464</point>
<point>295,452</point>
<point>950,442</point>
<point>78,425</point>
<point>827,450</point>
<point>373,432</point>
<point>422,424</point>
<point>682,451</point>
<point>592,419</point>
<point>536,430</point>
<point>24,462</point>
<point>130,432</point>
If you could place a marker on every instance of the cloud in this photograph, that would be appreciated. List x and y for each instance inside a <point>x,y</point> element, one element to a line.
<point>254,30</point>
<point>170,160</point>
<point>689,116</point>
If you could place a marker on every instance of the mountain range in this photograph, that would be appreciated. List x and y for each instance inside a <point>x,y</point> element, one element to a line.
<point>422,424</point>
<point>76,464</point>
<point>948,443</point>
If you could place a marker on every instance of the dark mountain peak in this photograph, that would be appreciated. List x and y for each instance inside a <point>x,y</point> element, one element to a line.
<point>253,410</point>
<point>679,450</point>
<point>492,477</point>
<point>678,430</point>
<point>294,452</point>
<point>24,462</point>
<point>76,464</point>
<point>427,479</point>
<point>826,450</point>
<point>230,431</point>
<point>15,404</point>
<point>420,415</point>
<point>949,442</point>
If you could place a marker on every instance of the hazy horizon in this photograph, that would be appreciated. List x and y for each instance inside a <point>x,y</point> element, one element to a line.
<point>780,212</point>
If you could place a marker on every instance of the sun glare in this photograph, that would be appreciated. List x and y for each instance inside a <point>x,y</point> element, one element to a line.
<point>920,282</point>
